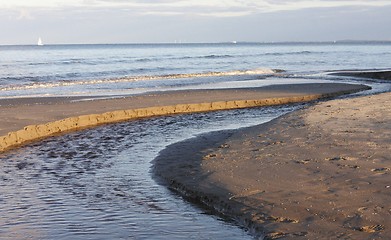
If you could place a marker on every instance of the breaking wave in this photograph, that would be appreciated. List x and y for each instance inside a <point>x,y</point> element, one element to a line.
<point>260,71</point>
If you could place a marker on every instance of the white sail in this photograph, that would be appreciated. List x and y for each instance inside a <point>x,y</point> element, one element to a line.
<point>40,43</point>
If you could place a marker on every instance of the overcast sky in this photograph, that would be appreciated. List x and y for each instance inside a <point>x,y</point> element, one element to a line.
<point>151,21</point>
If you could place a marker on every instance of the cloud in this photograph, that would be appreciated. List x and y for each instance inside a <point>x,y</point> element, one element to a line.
<point>7,4</point>
<point>291,5</point>
<point>25,15</point>
<point>215,8</point>
<point>137,25</point>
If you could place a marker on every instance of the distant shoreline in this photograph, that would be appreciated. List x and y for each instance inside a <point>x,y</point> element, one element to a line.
<point>212,43</point>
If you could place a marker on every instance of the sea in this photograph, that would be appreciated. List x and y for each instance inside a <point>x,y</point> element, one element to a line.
<point>97,183</point>
<point>121,69</point>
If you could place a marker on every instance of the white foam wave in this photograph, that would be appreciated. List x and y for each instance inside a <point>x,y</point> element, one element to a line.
<point>259,71</point>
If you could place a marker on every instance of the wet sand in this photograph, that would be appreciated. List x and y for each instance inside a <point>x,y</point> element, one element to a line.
<point>318,173</point>
<point>383,75</point>
<point>25,120</point>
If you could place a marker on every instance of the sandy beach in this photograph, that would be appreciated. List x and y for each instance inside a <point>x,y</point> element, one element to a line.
<point>318,173</point>
<point>25,120</point>
<point>321,172</point>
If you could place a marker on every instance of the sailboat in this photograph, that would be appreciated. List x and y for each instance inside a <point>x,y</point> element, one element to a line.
<point>40,43</point>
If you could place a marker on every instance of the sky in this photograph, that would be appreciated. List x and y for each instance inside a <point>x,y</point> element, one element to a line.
<point>167,21</point>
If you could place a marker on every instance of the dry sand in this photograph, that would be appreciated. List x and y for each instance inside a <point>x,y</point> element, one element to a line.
<point>318,173</point>
<point>25,120</point>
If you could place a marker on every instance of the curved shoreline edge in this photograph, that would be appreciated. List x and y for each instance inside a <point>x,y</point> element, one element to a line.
<point>182,173</point>
<point>318,173</point>
<point>32,133</point>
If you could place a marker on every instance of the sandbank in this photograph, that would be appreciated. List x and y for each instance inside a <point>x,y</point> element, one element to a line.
<point>380,74</point>
<point>319,173</point>
<point>26,120</point>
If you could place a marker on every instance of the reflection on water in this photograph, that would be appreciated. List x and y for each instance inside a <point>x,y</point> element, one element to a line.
<point>96,184</point>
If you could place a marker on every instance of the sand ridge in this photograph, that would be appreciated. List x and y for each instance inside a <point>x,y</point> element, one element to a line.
<point>378,74</point>
<point>24,122</point>
<point>318,173</point>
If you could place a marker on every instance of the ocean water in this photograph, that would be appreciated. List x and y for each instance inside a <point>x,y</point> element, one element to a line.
<point>96,183</point>
<point>90,70</point>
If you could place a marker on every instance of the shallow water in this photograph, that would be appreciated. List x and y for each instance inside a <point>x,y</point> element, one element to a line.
<point>96,183</point>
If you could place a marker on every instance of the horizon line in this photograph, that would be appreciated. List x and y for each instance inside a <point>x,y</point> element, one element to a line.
<point>221,42</point>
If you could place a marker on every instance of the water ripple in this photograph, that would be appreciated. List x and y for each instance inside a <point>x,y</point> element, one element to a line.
<point>96,183</point>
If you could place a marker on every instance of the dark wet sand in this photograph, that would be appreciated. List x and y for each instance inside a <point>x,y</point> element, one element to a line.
<point>383,75</point>
<point>318,173</point>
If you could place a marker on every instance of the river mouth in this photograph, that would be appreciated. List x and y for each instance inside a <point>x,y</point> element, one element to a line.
<point>97,183</point>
